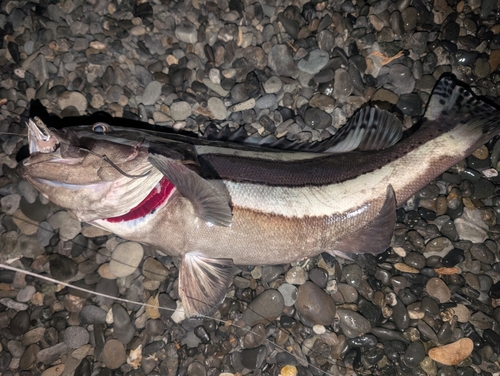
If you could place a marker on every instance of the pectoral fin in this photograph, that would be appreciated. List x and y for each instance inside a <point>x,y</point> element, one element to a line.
<point>203,283</point>
<point>376,236</point>
<point>208,204</point>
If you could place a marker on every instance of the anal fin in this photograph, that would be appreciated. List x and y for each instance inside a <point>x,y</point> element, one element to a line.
<point>203,283</point>
<point>374,237</point>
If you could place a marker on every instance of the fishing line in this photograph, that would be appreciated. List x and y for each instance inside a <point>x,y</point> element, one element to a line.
<point>106,159</point>
<point>128,301</point>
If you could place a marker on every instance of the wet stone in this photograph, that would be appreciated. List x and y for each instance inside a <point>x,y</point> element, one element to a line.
<point>438,289</point>
<point>410,104</point>
<point>314,305</point>
<point>289,293</point>
<point>317,119</point>
<point>352,274</point>
<point>415,353</point>
<point>264,308</point>
<point>253,358</point>
<point>452,354</point>
<point>352,323</point>
<point>296,276</point>
<point>343,85</point>
<point>319,276</point>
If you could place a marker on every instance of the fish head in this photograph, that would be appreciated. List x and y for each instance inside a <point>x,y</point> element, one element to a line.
<point>91,170</point>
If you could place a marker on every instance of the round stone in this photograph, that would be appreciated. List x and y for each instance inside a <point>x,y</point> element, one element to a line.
<point>126,258</point>
<point>314,305</point>
<point>76,336</point>
<point>436,288</point>
<point>113,354</point>
<point>180,110</point>
<point>264,308</point>
<point>352,323</point>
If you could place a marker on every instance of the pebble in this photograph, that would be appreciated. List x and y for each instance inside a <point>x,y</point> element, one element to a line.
<point>180,110</point>
<point>296,276</point>
<point>352,323</point>
<point>314,305</point>
<point>73,99</point>
<point>113,354</point>
<point>75,337</point>
<point>453,353</point>
<point>313,62</point>
<point>438,289</point>
<point>154,269</point>
<point>217,108</point>
<point>151,93</point>
<point>264,308</point>
<point>126,258</point>
<point>289,292</point>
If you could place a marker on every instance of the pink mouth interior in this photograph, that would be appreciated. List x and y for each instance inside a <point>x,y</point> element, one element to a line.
<point>154,199</point>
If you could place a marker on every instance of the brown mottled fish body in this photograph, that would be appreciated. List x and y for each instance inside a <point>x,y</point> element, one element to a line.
<point>248,205</point>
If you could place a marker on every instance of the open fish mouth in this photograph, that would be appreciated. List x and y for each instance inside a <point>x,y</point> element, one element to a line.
<point>40,138</point>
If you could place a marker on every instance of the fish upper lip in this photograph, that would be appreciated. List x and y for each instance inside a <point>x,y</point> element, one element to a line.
<point>40,138</point>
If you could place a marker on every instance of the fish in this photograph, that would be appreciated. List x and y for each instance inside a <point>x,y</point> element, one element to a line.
<point>215,203</point>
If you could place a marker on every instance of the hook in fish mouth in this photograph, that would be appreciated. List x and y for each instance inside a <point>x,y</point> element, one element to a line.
<point>40,138</point>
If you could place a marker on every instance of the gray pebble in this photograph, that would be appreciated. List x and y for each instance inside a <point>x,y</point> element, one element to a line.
<point>352,323</point>
<point>186,33</point>
<point>281,62</point>
<point>264,308</point>
<point>91,314</point>
<point>126,258</point>
<point>343,85</point>
<point>313,62</point>
<point>76,336</point>
<point>151,93</point>
<point>296,276</point>
<point>180,110</point>
<point>289,293</point>
<point>217,108</point>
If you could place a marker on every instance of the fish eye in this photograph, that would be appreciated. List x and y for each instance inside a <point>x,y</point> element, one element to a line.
<point>100,128</point>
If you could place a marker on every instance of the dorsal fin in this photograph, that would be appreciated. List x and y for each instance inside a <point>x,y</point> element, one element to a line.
<point>370,129</point>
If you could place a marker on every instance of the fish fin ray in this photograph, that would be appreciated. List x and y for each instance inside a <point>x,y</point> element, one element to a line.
<point>370,129</point>
<point>376,236</point>
<point>208,204</point>
<point>453,103</point>
<point>203,283</point>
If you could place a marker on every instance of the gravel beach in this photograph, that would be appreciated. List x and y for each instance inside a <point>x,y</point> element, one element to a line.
<point>429,305</point>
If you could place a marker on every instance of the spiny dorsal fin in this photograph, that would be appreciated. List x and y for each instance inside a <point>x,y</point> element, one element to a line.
<point>370,129</point>
<point>208,204</point>
<point>449,97</point>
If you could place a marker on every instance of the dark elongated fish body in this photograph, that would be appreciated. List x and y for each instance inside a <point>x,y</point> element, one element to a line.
<point>215,204</point>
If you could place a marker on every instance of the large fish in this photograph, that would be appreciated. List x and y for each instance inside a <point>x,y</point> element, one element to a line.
<point>215,204</point>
